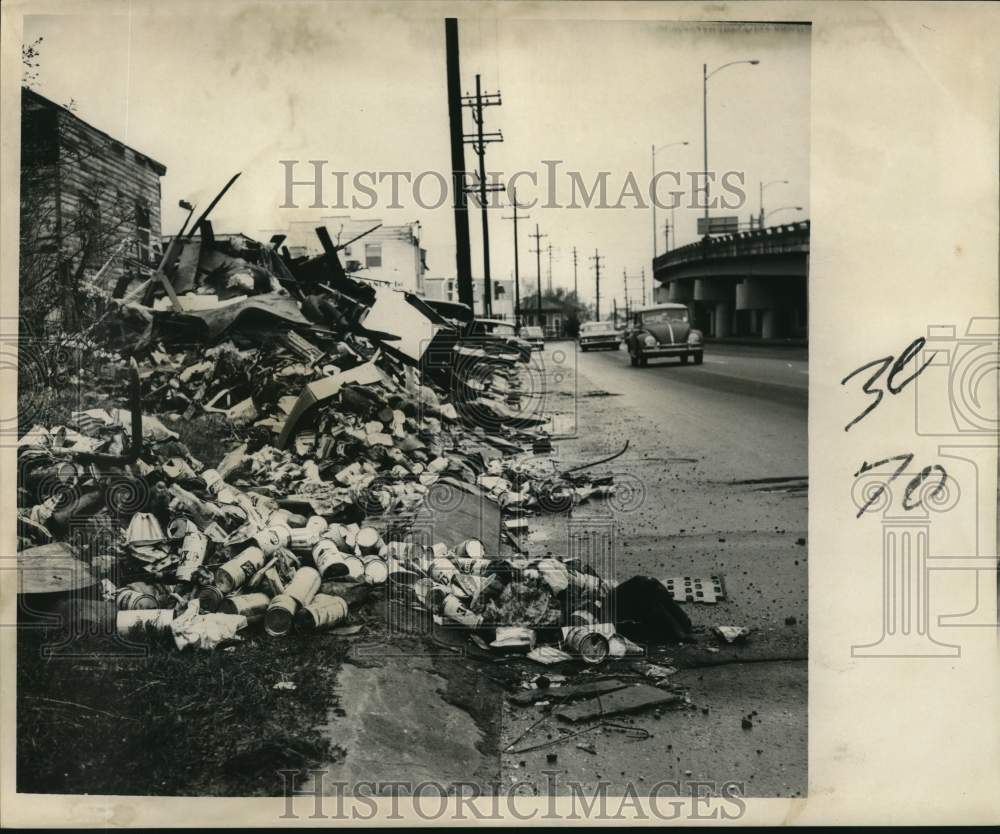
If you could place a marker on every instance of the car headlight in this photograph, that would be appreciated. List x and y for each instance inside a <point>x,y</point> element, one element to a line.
<point>649,341</point>
<point>694,338</point>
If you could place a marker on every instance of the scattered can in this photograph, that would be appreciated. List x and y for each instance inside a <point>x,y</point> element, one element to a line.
<point>581,617</point>
<point>442,570</point>
<point>455,611</point>
<point>179,527</point>
<point>471,549</point>
<point>251,606</point>
<point>368,541</point>
<point>591,646</point>
<point>376,570</point>
<point>129,599</point>
<point>273,537</point>
<point>158,619</point>
<point>355,567</point>
<point>329,560</point>
<point>302,538</point>
<point>317,524</point>
<point>280,615</point>
<point>325,611</point>
<point>337,534</point>
<point>209,598</point>
<point>193,550</point>
<point>239,569</point>
<point>304,585</point>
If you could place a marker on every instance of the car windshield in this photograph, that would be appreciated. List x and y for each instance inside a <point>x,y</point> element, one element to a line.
<point>503,329</point>
<point>664,316</point>
<point>532,332</point>
<point>596,327</point>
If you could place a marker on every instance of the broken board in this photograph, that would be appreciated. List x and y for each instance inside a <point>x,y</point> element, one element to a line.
<point>632,699</point>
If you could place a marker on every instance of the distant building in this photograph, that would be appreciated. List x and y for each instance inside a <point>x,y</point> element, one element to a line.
<point>502,291</point>
<point>390,255</point>
<point>87,201</point>
<point>553,317</point>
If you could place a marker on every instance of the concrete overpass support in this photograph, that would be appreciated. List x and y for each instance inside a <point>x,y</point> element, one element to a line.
<point>681,290</point>
<point>718,295</point>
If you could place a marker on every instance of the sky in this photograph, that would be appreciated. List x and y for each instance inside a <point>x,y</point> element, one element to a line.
<point>219,88</point>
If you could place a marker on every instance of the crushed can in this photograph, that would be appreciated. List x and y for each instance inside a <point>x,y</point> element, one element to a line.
<point>239,569</point>
<point>581,617</point>
<point>325,611</point>
<point>329,560</point>
<point>280,615</point>
<point>161,593</point>
<point>453,609</point>
<point>591,646</point>
<point>304,585</point>
<point>251,606</point>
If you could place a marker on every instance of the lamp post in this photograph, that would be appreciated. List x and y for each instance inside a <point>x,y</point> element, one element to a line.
<point>704,112</point>
<point>783,208</point>
<point>763,186</point>
<point>653,186</point>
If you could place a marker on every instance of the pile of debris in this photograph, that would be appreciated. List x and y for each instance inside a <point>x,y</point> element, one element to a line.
<point>360,415</point>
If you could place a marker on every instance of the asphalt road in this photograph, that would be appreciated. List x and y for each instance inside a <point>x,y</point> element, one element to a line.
<point>714,484</point>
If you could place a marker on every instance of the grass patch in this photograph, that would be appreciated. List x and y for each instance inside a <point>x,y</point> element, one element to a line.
<point>172,723</point>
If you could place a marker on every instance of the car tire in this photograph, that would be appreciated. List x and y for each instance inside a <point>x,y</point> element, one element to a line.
<point>643,361</point>
<point>698,358</point>
<point>583,349</point>
<point>684,358</point>
<point>633,360</point>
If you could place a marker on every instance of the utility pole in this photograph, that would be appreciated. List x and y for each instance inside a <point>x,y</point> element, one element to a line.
<point>538,269</point>
<point>463,256</point>
<point>575,291</point>
<point>643,276</point>
<point>550,269</point>
<point>596,258</point>
<point>517,267</point>
<point>614,302</point>
<point>479,141</point>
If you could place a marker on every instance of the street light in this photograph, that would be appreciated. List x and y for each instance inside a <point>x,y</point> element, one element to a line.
<point>763,187</point>
<point>704,111</point>
<point>653,194</point>
<point>783,208</point>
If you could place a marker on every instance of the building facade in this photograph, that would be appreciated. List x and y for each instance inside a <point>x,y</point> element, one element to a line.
<point>502,295</point>
<point>90,211</point>
<point>389,255</point>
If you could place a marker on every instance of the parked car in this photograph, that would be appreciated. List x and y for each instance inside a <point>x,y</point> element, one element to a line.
<point>534,336</point>
<point>663,330</point>
<point>599,335</point>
